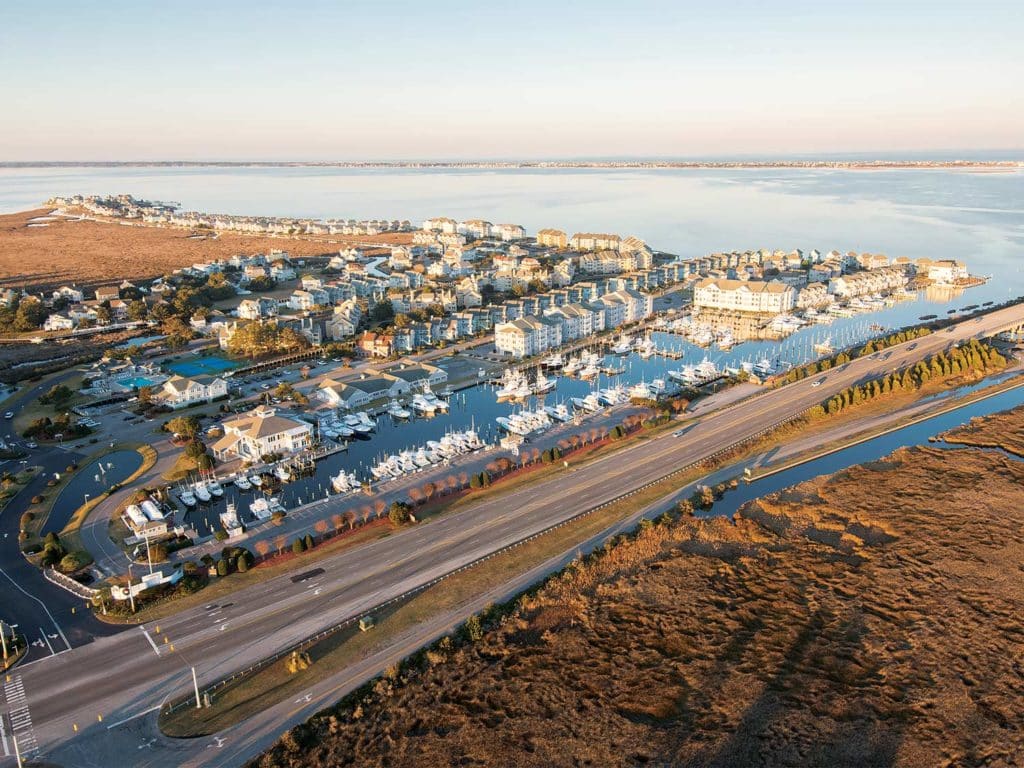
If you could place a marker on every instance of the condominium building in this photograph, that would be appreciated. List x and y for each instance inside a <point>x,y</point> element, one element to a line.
<point>527,336</point>
<point>552,238</point>
<point>586,241</point>
<point>744,295</point>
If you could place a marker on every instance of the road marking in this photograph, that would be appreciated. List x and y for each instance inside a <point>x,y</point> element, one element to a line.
<point>46,640</point>
<point>156,650</point>
<point>3,737</point>
<point>137,715</point>
<point>218,742</point>
<point>223,627</point>
<point>304,699</point>
<point>33,597</point>
<point>147,744</point>
<point>21,718</point>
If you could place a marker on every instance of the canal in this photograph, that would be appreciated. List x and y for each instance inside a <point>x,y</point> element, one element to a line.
<point>91,480</point>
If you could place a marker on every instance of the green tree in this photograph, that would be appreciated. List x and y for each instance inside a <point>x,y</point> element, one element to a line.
<point>186,426</point>
<point>137,310</point>
<point>398,513</point>
<point>298,545</point>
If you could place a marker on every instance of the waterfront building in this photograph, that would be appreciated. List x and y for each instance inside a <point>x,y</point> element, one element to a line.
<point>867,282</point>
<point>262,432</point>
<point>744,295</point>
<point>527,336</point>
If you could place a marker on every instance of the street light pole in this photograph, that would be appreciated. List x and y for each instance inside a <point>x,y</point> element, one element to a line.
<point>3,637</point>
<point>131,595</point>
<point>195,684</point>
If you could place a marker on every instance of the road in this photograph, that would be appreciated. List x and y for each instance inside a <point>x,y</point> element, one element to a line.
<point>126,675</point>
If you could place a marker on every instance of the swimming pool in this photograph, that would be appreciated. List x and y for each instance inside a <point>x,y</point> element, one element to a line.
<point>201,365</point>
<point>134,382</point>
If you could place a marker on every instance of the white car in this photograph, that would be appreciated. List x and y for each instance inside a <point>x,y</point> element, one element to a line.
<point>816,383</point>
<point>9,415</point>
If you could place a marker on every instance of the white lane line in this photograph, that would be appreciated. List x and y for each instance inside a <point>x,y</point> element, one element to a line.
<point>156,650</point>
<point>33,597</point>
<point>137,715</point>
<point>21,720</point>
<point>46,640</point>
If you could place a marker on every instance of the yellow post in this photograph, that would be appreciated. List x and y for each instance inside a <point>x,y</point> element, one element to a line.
<point>99,718</point>
<point>75,726</point>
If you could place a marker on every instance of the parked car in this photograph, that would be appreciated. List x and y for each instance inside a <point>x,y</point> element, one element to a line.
<point>9,415</point>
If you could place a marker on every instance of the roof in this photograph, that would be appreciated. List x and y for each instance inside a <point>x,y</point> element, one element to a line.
<point>753,286</point>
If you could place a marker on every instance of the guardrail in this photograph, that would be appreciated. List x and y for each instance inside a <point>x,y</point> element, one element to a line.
<point>68,584</point>
<point>307,642</point>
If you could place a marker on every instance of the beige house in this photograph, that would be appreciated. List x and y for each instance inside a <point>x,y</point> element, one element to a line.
<point>552,238</point>
<point>261,432</point>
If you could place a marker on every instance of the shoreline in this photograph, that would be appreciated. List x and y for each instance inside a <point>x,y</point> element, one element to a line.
<point>539,164</point>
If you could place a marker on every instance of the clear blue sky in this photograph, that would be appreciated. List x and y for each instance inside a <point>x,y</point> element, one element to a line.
<point>383,80</point>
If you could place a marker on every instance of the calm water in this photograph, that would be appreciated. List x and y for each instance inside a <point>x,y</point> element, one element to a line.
<point>975,217</point>
<point>92,479</point>
<point>872,450</point>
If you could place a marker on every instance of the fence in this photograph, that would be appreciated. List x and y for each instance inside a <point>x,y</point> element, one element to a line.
<point>69,584</point>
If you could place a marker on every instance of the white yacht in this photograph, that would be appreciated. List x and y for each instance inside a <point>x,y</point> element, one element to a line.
<point>623,346</point>
<point>345,482</point>
<point>214,487</point>
<point>543,383</point>
<point>397,411</point>
<point>559,412</point>
<point>187,497</point>
<point>282,473</point>
<point>201,491</point>
<point>242,483</point>
<point>256,481</point>
<point>553,361</point>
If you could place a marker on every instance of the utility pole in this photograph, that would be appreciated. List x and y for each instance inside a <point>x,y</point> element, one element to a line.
<point>195,684</point>
<point>131,595</point>
<point>3,638</point>
<point>149,556</point>
<point>17,749</point>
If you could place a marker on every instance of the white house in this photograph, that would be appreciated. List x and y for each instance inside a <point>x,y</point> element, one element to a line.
<point>261,432</point>
<point>69,292</point>
<point>58,322</point>
<point>527,336</point>
<point>180,392</point>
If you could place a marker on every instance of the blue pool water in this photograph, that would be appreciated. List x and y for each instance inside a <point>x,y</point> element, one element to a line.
<point>136,382</point>
<point>201,366</point>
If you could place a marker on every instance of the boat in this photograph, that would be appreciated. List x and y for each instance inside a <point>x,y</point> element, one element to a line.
<point>396,411</point>
<point>215,487</point>
<point>589,403</point>
<point>559,412</point>
<point>512,385</point>
<point>242,483</point>
<point>543,383</point>
<point>687,375</point>
<point>641,391</point>
<point>623,346</point>
<point>263,508</point>
<point>201,492</point>
<point>553,361</point>
<point>282,473</point>
<point>589,371</point>
<point>256,481</point>
<point>345,482</point>
<point>646,348</point>
<point>573,365</point>
<point>187,497</point>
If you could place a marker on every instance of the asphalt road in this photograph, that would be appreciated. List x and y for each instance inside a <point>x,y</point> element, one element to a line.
<point>124,676</point>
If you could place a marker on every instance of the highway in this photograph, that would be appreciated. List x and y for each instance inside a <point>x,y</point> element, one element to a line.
<point>126,675</point>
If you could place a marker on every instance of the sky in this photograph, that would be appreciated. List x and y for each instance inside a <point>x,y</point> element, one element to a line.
<point>339,81</point>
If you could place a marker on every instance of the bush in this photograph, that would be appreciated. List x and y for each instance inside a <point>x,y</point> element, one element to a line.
<point>277,517</point>
<point>298,546</point>
<point>474,481</point>
<point>308,541</point>
<point>27,518</point>
<point>38,499</point>
<point>242,564</point>
<point>222,568</point>
<point>220,534</point>
<point>74,561</point>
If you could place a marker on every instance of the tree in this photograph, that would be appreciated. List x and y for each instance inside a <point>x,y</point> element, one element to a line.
<point>145,396</point>
<point>223,568</point>
<point>298,545</point>
<point>308,541</point>
<point>382,311</point>
<point>137,310</point>
<point>186,426</point>
<point>30,314</point>
<point>398,513</point>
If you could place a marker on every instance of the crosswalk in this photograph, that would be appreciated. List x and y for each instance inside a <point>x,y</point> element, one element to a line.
<point>21,718</point>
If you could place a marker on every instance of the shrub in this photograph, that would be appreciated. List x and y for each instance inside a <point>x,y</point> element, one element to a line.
<point>298,545</point>
<point>277,517</point>
<point>220,534</point>
<point>222,568</point>
<point>474,481</point>
<point>38,499</point>
<point>73,561</point>
<point>398,514</point>
<point>308,541</point>
<point>242,564</point>
<point>26,518</point>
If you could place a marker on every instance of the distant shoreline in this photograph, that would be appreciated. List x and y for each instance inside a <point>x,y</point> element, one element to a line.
<point>546,164</point>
